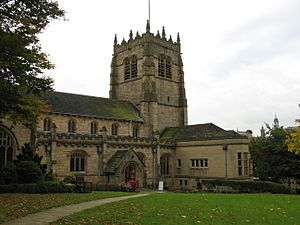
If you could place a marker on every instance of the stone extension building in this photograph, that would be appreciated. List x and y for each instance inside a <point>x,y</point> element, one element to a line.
<point>140,132</point>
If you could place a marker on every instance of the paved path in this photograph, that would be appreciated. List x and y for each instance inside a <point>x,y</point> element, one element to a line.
<point>50,215</point>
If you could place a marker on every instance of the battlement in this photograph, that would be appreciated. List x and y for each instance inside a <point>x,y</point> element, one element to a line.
<point>147,37</point>
<point>80,139</point>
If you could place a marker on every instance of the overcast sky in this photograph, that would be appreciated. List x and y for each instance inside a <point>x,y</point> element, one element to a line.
<point>241,57</point>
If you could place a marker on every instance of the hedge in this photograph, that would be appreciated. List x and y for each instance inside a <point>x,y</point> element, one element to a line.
<point>106,187</point>
<point>232,186</point>
<point>44,187</point>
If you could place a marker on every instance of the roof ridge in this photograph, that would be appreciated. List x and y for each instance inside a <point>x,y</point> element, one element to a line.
<point>90,96</point>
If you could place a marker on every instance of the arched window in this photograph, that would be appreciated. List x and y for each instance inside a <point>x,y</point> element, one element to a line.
<point>71,126</point>
<point>168,69</point>
<point>114,129</point>
<point>9,155</point>
<point>94,127</point>
<point>7,146</point>
<point>2,156</point>
<point>164,165</point>
<point>135,131</point>
<point>47,124</point>
<point>130,67</point>
<point>133,66</point>
<point>164,67</point>
<point>77,162</point>
<point>161,66</point>
<point>126,69</point>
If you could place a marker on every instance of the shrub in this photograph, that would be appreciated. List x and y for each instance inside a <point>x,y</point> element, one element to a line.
<point>28,172</point>
<point>8,174</point>
<point>131,185</point>
<point>230,186</point>
<point>50,176</point>
<point>70,179</point>
<point>44,187</point>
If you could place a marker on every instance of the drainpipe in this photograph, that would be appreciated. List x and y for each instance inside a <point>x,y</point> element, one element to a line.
<point>225,148</point>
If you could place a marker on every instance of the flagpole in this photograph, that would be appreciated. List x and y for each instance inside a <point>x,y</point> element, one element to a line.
<point>149,11</point>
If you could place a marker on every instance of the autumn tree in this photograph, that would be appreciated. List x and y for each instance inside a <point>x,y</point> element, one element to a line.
<point>293,141</point>
<point>271,158</point>
<point>22,60</point>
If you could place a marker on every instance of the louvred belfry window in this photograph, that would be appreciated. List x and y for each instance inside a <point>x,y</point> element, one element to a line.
<point>164,67</point>
<point>130,67</point>
<point>126,69</point>
<point>133,67</point>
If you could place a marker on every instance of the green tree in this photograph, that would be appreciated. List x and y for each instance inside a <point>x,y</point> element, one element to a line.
<point>22,61</point>
<point>293,141</point>
<point>271,158</point>
<point>8,174</point>
<point>28,154</point>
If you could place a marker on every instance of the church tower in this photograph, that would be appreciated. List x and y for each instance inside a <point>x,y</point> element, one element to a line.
<point>148,70</point>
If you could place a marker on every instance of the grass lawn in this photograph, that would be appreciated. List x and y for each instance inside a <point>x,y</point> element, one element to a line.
<point>210,209</point>
<point>16,205</point>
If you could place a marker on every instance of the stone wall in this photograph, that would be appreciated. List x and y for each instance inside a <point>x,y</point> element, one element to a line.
<point>213,150</point>
<point>83,124</point>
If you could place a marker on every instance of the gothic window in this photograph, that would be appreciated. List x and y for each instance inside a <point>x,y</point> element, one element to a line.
<point>71,126</point>
<point>94,127</point>
<point>77,162</point>
<point>126,69</point>
<point>114,129</point>
<point>133,66</point>
<point>2,156</point>
<point>161,66</point>
<point>168,69</point>
<point>135,131</point>
<point>164,67</point>
<point>47,124</point>
<point>164,165</point>
<point>9,155</point>
<point>6,147</point>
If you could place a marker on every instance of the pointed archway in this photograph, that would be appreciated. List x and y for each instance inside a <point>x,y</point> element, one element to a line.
<point>125,165</point>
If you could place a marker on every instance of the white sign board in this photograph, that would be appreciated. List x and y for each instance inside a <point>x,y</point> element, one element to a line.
<point>161,186</point>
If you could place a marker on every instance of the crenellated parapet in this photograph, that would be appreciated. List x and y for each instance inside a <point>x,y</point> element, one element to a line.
<point>139,142</point>
<point>147,37</point>
<point>66,138</point>
<point>85,140</point>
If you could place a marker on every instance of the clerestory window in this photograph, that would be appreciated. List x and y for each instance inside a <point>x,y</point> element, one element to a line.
<point>114,129</point>
<point>47,124</point>
<point>135,131</point>
<point>71,126</point>
<point>94,127</point>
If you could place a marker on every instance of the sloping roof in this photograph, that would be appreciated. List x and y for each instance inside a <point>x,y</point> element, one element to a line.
<point>83,105</point>
<point>115,161</point>
<point>205,131</point>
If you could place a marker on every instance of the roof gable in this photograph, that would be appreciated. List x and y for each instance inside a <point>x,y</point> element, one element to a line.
<point>83,105</point>
<point>116,160</point>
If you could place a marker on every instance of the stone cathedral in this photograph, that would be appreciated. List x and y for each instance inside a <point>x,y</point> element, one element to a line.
<point>140,132</point>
